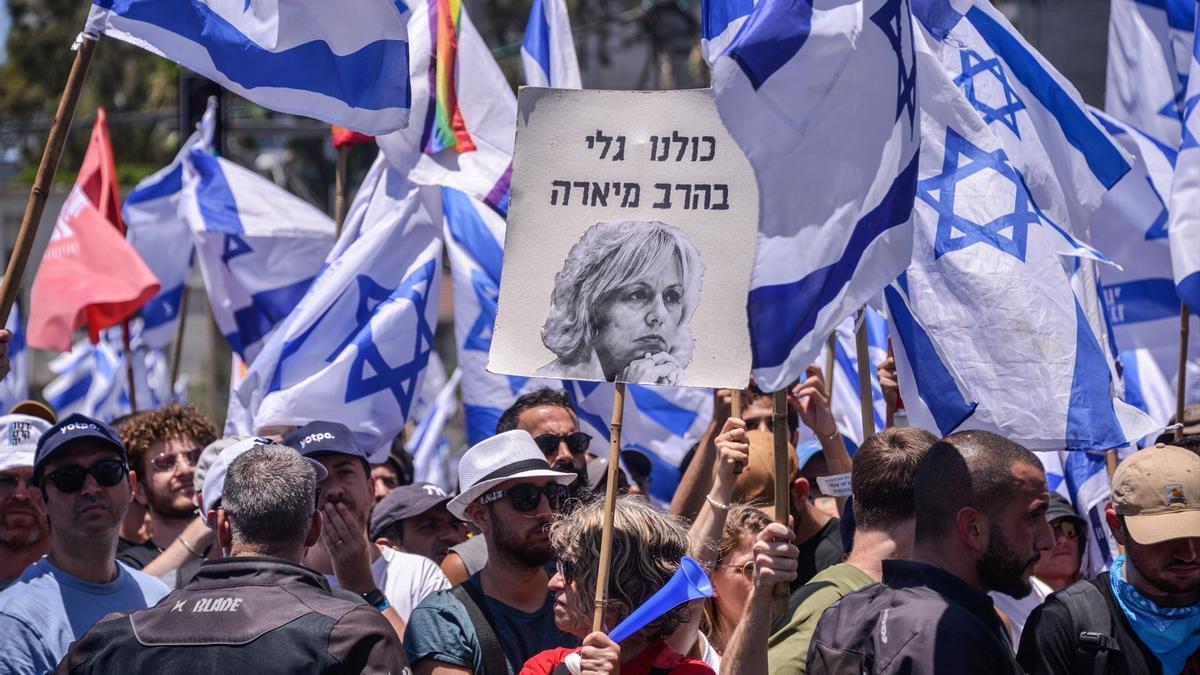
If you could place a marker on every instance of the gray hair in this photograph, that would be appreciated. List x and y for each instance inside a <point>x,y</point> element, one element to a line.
<point>609,256</point>
<point>270,495</point>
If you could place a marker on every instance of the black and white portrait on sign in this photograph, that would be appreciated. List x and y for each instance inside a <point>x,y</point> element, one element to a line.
<point>629,242</point>
<point>622,305</point>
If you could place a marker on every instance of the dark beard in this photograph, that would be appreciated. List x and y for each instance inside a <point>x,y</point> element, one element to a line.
<point>163,506</point>
<point>515,548</point>
<point>1002,570</point>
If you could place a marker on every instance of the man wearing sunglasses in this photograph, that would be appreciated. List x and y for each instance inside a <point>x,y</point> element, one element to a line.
<point>81,471</point>
<point>504,614</point>
<point>24,531</point>
<point>547,415</point>
<point>164,446</point>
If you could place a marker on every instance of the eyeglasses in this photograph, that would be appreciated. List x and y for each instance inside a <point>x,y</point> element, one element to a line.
<point>526,496</point>
<point>566,569</point>
<point>70,478</point>
<point>167,461</point>
<point>577,442</point>
<point>1066,528</point>
<point>746,569</point>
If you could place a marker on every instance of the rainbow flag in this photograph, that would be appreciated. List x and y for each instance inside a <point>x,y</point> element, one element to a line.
<point>445,127</point>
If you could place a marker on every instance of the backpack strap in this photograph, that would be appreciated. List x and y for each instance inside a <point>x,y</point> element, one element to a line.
<point>1093,624</point>
<point>493,658</point>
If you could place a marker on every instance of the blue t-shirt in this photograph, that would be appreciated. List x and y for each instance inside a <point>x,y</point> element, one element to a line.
<point>439,629</point>
<point>45,610</point>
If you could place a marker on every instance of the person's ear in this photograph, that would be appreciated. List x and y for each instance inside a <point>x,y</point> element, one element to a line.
<point>383,541</point>
<point>135,487</point>
<point>224,531</point>
<point>479,515</point>
<point>314,529</point>
<point>973,528</point>
<point>1115,525</point>
<point>800,490</point>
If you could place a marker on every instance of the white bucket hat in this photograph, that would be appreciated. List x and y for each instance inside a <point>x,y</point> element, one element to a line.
<point>503,457</point>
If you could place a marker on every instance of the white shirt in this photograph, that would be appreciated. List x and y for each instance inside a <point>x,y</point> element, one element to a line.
<point>1018,611</point>
<point>404,578</point>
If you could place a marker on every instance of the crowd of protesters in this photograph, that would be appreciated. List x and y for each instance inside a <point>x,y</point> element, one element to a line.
<point>155,546</point>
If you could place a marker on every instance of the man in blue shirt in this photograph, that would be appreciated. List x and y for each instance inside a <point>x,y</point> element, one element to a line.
<point>80,466</point>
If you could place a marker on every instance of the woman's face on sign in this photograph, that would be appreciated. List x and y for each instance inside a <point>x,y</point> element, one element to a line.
<point>641,317</point>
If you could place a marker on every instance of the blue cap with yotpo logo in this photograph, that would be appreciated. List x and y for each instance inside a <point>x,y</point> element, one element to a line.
<point>321,438</point>
<point>74,427</point>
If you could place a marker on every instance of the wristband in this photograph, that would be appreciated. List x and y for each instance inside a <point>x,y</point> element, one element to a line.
<point>715,503</point>
<point>189,547</point>
<point>376,599</point>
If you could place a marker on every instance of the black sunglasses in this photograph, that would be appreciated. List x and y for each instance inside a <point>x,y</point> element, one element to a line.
<point>577,442</point>
<point>526,496</point>
<point>69,479</point>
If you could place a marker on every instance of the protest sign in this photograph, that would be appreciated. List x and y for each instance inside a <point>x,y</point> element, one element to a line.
<point>630,241</point>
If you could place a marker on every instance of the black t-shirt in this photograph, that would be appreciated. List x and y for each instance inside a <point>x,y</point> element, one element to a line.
<point>823,549</point>
<point>136,556</point>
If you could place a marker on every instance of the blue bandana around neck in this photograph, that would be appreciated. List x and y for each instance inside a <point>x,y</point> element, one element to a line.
<point>1172,633</point>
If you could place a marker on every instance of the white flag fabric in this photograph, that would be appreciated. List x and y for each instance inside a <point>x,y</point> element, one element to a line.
<point>156,231</point>
<point>355,347</point>
<point>1184,230</point>
<point>548,49</point>
<point>258,246</point>
<point>1147,388</point>
<point>1148,44</point>
<point>463,111</point>
<point>343,62</point>
<point>15,386</point>
<point>720,20</point>
<point>812,91</point>
<point>662,422</point>
<point>428,446</point>
<point>987,330</point>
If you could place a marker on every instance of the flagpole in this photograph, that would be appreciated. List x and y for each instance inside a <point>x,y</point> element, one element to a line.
<point>830,356</point>
<point>129,378</point>
<point>782,479</point>
<point>610,505</point>
<point>175,356</point>
<point>864,376</point>
<point>735,410</point>
<point>339,199</point>
<point>40,191</point>
<point>1181,378</point>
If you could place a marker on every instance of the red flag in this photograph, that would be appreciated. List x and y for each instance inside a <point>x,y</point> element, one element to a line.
<point>343,137</point>
<point>89,273</point>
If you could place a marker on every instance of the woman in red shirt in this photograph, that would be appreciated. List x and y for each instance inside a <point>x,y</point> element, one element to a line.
<point>646,549</point>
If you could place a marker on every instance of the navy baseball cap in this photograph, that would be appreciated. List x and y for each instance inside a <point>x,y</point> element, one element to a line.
<point>326,438</point>
<point>74,427</point>
<point>406,501</point>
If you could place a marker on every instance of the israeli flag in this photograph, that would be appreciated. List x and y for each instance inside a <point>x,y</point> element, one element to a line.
<point>1147,388</point>
<point>428,446</point>
<point>846,401</point>
<point>662,422</point>
<point>1131,228</point>
<point>720,20</point>
<point>355,347</point>
<point>1082,477</point>
<point>156,231</point>
<point>342,62</point>
<point>1148,45</point>
<point>987,331</point>
<point>487,105</point>
<point>548,49</point>
<point>89,380</point>
<point>15,386</point>
<point>832,80</point>
<point>1184,230</point>
<point>258,246</point>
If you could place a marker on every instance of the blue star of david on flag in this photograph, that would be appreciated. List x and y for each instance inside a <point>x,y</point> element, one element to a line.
<point>1158,229</point>
<point>956,232</point>
<point>1189,139</point>
<point>400,380</point>
<point>479,337</point>
<point>974,65</point>
<point>888,18</point>
<point>233,247</point>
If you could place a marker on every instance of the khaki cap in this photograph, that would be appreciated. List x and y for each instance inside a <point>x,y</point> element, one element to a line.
<point>1158,491</point>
